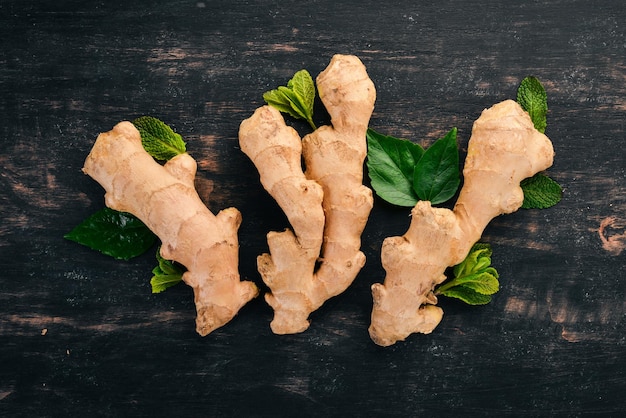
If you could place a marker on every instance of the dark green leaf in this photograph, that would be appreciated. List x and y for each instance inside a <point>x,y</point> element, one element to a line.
<point>532,97</point>
<point>158,139</point>
<point>436,176</point>
<point>390,163</point>
<point>166,274</point>
<point>118,234</point>
<point>540,192</point>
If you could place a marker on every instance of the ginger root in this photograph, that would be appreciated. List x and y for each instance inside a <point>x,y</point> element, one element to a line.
<point>327,206</point>
<point>165,199</point>
<point>504,149</point>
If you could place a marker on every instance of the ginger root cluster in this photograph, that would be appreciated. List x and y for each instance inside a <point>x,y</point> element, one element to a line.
<point>326,204</point>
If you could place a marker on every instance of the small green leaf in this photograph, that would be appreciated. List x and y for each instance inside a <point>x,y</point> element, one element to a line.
<point>484,282</point>
<point>158,139</point>
<point>390,163</point>
<point>117,234</point>
<point>298,107</point>
<point>467,295</point>
<point>296,99</point>
<point>303,86</point>
<point>474,280</point>
<point>540,192</point>
<point>474,260</point>
<point>166,274</point>
<point>436,176</point>
<point>533,98</point>
<point>281,102</point>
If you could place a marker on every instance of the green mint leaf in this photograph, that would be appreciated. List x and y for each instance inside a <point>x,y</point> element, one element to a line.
<point>390,163</point>
<point>468,296</point>
<point>540,192</point>
<point>303,86</point>
<point>166,274</point>
<point>296,99</point>
<point>117,234</point>
<point>436,176</point>
<point>298,108</point>
<point>158,139</point>
<point>281,102</point>
<point>532,97</point>
<point>484,282</point>
<point>475,260</point>
<point>474,280</point>
<point>160,282</point>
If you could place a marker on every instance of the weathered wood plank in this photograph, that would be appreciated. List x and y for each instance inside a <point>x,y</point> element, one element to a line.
<point>81,334</point>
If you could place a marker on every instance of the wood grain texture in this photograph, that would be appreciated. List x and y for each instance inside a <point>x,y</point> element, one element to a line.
<point>81,334</point>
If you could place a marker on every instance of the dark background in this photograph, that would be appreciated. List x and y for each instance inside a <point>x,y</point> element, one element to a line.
<point>81,334</point>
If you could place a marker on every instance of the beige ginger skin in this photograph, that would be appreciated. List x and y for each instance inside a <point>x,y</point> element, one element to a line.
<point>165,199</point>
<point>327,205</point>
<point>504,149</point>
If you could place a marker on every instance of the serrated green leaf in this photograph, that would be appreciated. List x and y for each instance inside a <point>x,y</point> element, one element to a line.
<point>540,192</point>
<point>467,295</point>
<point>479,255</point>
<point>166,274</point>
<point>160,283</point>
<point>158,139</point>
<point>296,102</point>
<point>533,98</point>
<point>474,280</point>
<point>279,101</point>
<point>390,163</point>
<point>303,86</point>
<point>117,234</point>
<point>437,175</point>
<point>296,99</point>
<point>484,282</point>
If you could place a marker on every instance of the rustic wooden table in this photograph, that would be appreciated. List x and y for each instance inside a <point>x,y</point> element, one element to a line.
<point>81,334</point>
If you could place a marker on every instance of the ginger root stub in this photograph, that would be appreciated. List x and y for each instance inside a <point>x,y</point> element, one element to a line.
<point>503,150</point>
<point>165,199</point>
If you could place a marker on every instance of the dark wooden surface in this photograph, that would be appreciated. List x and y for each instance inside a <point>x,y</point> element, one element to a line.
<point>81,334</point>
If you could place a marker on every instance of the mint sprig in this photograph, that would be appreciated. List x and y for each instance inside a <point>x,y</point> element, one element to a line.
<point>166,274</point>
<point>540,191</point>
<point>474,279</point>
<point>532,96</point>
<point>158,139</point>
<point>296,99</point>
<point>402,172</point>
